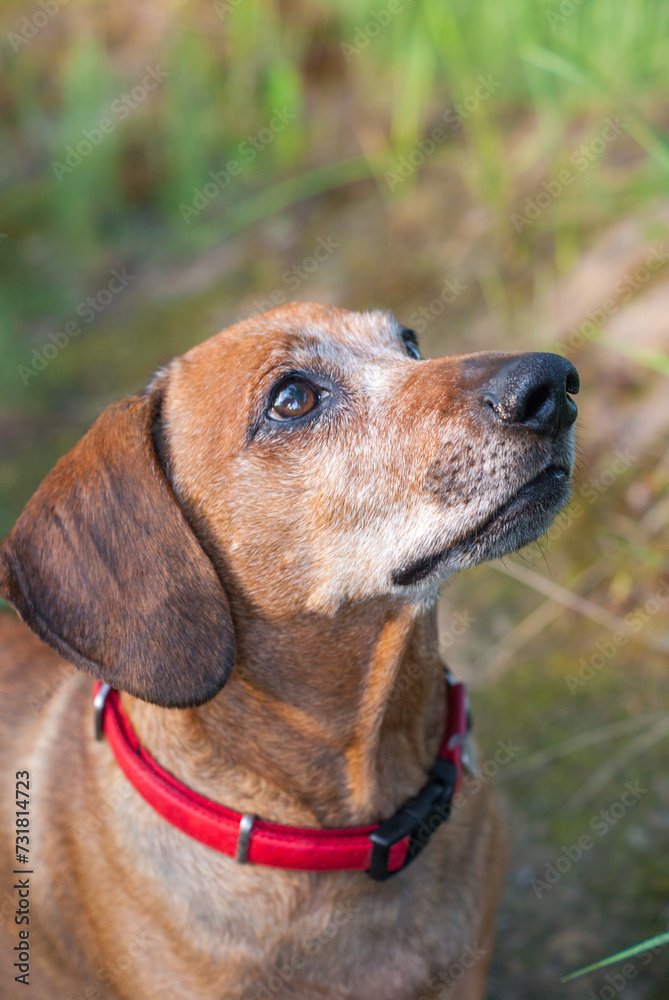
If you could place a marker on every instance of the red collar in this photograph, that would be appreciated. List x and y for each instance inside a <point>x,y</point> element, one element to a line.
<point>381,850</point>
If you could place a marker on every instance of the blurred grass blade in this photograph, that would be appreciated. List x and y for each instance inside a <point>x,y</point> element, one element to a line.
<point>637,949</point>
<point>648,137</point>
<point>554,63</point>
<point>414,85</point>
<point>644,355</point>
<point>293,190</point>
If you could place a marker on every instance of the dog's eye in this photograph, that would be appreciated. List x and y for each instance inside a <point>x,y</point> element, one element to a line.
<point>293,399</point>
<point>411,343</point>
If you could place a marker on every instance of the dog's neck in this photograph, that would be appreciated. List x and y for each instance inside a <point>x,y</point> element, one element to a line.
<point>332,721</point>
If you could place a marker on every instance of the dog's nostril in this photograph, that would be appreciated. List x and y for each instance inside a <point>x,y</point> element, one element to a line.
<point>533,403</point>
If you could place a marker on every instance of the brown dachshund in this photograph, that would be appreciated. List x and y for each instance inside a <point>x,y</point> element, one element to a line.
<point>251,553</point>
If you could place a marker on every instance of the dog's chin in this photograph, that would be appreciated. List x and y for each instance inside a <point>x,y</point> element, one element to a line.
<point>522,519</point>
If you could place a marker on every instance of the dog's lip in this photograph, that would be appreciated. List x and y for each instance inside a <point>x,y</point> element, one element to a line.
<point>551,474</point>
<point>525,496</point>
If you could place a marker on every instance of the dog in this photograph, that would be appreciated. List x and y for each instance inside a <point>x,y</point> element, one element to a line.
<point>250,553</point>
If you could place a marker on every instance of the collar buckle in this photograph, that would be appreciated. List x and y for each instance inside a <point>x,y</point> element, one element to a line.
<point>418,819</point>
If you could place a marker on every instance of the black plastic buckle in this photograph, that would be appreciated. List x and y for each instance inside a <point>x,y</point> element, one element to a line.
<point>418,818</point>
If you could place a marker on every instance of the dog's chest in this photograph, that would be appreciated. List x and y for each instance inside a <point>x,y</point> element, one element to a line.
<point>300,937</point>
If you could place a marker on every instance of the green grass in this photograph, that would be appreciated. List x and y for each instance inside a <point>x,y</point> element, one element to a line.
<point>227,75</point>
<point>660,940</point>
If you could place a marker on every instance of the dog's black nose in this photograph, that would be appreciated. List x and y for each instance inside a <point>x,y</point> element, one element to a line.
<point>532,390</point>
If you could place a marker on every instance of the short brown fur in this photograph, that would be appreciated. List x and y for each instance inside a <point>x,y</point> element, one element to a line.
<point>186,533</point>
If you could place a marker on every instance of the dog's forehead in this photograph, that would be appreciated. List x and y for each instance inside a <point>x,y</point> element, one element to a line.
<point>305,335</point>
<point>327,325</point>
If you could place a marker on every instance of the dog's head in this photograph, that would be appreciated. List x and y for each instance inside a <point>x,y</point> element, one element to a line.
<point>302,460</point>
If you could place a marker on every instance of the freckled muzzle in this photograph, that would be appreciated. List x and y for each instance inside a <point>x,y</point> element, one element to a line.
<point>519,412</point>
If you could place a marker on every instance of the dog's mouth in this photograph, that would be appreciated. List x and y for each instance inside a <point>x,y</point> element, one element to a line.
<point>518,521</point>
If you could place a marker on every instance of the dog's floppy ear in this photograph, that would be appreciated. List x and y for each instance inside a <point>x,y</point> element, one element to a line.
<point>104,567</point>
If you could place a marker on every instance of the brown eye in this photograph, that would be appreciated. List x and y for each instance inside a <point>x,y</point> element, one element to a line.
<point>293,399</point>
